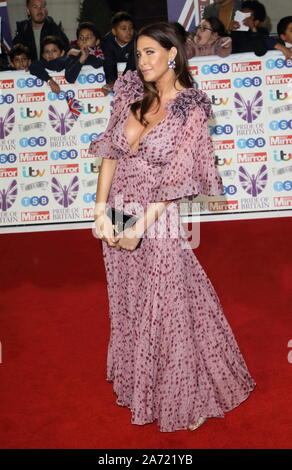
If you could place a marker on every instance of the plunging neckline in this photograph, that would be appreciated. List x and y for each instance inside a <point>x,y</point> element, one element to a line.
<point>141,141</point>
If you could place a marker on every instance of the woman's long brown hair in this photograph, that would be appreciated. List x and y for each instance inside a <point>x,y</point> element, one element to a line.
<point>165,35</point>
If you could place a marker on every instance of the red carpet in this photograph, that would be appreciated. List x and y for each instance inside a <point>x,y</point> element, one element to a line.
<point>54,332</point>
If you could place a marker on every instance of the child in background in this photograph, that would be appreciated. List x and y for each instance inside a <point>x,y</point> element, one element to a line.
<point>256,38</point>
<point>118,46</point>
<point>88,51</point>
<point>284,29</point>
<point>19,57</point>
<point>210,39</point>
<point>284,43</point>
<point>53,58</point>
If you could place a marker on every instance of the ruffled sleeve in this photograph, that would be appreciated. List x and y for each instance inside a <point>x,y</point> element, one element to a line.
<point>191,170</point>
<point>127,88</point>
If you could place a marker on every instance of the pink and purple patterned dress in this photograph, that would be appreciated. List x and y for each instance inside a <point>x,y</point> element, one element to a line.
<point>172,356</point>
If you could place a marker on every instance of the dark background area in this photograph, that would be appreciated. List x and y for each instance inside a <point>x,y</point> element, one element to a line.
<point>143,12</point>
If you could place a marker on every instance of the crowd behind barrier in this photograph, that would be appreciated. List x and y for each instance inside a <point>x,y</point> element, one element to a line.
<point>48,178</point>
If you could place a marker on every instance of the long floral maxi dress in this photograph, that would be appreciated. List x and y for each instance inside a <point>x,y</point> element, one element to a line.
<point>172,355</point>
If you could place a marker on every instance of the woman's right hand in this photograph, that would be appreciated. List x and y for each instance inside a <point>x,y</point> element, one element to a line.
<point>104,230</point>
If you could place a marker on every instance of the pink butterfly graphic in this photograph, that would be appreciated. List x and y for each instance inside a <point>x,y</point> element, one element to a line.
<point>248,110</point>
<point>7,123</point>
<point>65,195</point>
<point>8,196</point>
<point>61,122</point>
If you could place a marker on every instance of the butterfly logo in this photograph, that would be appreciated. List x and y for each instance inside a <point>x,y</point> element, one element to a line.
<point>248,110</point>
<point>8,196</point>
<point>252,184</point>
<point>65,195</point>
<point>7,123</point>
<point>61,122</point>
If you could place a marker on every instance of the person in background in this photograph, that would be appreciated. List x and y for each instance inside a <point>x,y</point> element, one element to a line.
<point>255,39</point>
<point>31,32</point>
<point>284,41</point>
<point>284,29</point>
<point>87,52</point>
<point>224,10</point>
<point>53,58</point>
<point>118,46</point>
<point>185,37</point>
<point>19,57</point>
<point>210,39</point>
<point>4,57</point>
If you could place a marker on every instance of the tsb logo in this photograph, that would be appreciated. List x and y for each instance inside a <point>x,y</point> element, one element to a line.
<point>35,201</point>
<point>7,158</point>
<point>61,96</point>
<point>86,138</point>
<point>247,82</point>
<point>219,130</point>
<point>32,141</point>
<point>215,68</point>
<point>88,198</point>
<point>280,125</point>
<point>251,143</point>
<point>283,185</point>
<point>231,189</point>
<point>278,63</point>
<point>91,78</point>
<point>29,82</point>
<point>8,99</point>
<point>63,154</point>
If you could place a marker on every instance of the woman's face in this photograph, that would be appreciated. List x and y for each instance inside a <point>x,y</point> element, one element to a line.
<point>204,33</point>
<point>152,59</point>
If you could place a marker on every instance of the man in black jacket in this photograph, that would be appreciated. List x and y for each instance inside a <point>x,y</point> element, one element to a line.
<point>31,32</point>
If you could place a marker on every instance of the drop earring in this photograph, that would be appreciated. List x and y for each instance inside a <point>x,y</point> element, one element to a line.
<point>171,64</point>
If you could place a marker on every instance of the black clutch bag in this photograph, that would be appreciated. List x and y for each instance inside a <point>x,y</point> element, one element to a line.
<point>121,221</point>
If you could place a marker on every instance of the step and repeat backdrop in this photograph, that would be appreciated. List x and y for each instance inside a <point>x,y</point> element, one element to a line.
<point>48,178</point>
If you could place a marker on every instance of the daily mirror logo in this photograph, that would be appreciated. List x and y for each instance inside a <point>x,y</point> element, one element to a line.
<point>216,84</point>
<point>246,66</point>
<point>281,140</point>
<point>90,93</point>
<point>223,144</point>
<point>33,156</point>
<point>278,79</point>
<point>6,84</point>
<point>35,216</point>
<point>30,97</point>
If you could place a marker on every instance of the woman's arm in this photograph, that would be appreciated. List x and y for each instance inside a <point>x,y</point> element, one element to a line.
<point>153,212</point>
<point>106,173</point>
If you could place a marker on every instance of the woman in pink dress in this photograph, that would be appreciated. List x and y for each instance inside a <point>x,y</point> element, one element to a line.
<point>172,356</point>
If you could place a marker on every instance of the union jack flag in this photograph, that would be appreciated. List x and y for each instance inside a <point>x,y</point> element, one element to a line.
<point>74,106</point>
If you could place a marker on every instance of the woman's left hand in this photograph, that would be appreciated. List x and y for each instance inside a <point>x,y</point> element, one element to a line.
<point>128,239</point>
